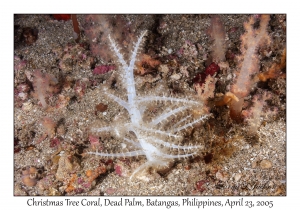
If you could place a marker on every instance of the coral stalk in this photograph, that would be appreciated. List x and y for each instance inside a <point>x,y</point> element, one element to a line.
<point>154,139</point>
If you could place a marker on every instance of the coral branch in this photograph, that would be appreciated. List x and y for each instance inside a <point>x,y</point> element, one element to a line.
<point>43,85</point>
<point>254,114</point>
<point>217,34</point>
<point>152,139</point>
<point>252,39</point>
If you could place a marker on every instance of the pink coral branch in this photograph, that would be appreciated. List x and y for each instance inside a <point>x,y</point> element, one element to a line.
<point>252,39</point>
<point>217,34</point>
<point>254,114</point>
<point>43,84</point>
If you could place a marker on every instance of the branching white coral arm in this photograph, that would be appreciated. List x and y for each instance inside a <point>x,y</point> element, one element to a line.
<point>174,146</point>
<point>119,101</point>
<point>125,154</point>
<point>117,52</point>
<point>135,50</point>
<point>170,99</point>
<point>150,130</point>
<point>178,156</point>
<point>202,118</point>
<point>180,121</point>
<point>164,116</point>
<point>133,142</point>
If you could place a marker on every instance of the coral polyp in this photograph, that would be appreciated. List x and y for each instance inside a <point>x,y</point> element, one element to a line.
<point>158,139</point>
